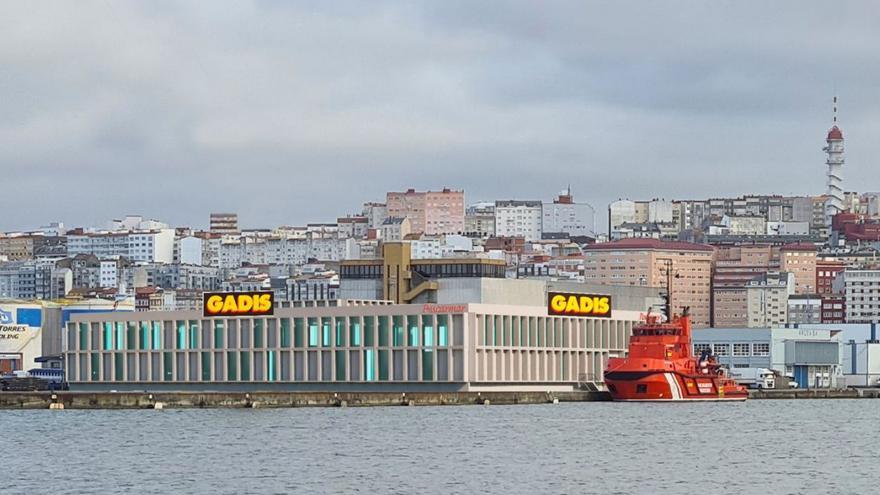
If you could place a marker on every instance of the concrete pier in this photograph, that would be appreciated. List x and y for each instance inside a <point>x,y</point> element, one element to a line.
<point>172,400</point>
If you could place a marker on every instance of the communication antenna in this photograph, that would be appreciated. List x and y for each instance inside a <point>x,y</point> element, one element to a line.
<point>834,113</point>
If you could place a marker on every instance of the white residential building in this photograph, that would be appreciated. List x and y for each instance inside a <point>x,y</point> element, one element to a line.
<point>515,218</point>
<point>137,246</point>
<point>566,216</point>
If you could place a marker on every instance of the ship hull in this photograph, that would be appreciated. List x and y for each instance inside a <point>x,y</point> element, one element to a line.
<point>668,386</point>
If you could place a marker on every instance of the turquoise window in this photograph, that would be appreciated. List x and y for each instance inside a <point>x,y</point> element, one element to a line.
<point>487,330</point>
<point>442,330</point>
<point>427,364</point>
<point>218,334</point>
<point>193,334</point>
<point>314,336</point>
<point>370,365</point>
<point>206,366</point>
<point>413,335</point>
<point>340,332</point>
<point>168,366</point>
<point>83,336</point>
<point>270,366</point>
<point>96,366</point>
<point>258,333</point>
<point>383,364</point>
<point>354,331</point>
<point>120,335</point>
<point>397,331</point>
<point>108,336</point>
<point>119,366</point>
<point>427,330</point>
<point>325,332</point>
<point>231,366</point>
<point>145,336</point>
<point>285,332</point>
<point>298,332</point>
<point>369,324</point>
<point>383,331</point>
<point>181,334</point>
<point>131,337</point>
<point>245,366</point>
<point>340,366</point>
<point>157,335</point>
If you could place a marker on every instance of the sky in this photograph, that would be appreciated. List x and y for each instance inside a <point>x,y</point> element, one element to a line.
<point>296,112</point>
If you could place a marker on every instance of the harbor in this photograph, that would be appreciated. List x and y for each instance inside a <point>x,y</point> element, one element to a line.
<point>255,400</point>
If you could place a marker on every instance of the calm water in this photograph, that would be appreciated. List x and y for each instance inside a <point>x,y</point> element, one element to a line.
<point>806,446</point>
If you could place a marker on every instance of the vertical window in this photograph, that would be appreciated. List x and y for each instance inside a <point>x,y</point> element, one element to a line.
<point>144,335</point>
<point>397,331</point>
<point>168,366</point>
<point>258,333</point>
<point>193,334</point>
<point>96,367</point>
<point>245,366</point>
<point>298,332</point>
<point>270,366</point>
<point>131,338</point>
<point>383,331</point>
<point>442,330</point>
<point>340,366</point>
<point>325,332</point>
<point>369,340</point>
<point>120,336</point>
<point>354,331</point>
<point>383,364</point>
<point>119,367</point>
<point>285,332</point>
<point>218,334</point>
<point>314,336</point>
<point>369,365</point>
<point>413,335</point>
<point>427,330</point>
<point>206,366</point>
<point>340,331</point>
<point>157,335</point>
<point>83,336</point>
<point>231,366</point>
<point>108,336</point>
<point>487,330</point>
<point>181,334</point>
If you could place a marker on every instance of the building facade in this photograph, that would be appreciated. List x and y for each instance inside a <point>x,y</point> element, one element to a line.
<point>800,259</point>
<point>463,347</point>
<point>429,212</point>
<point>644,262</point>
<point>514,218</point>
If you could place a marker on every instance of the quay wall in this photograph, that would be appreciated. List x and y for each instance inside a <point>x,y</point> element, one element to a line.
<point>147,400</point>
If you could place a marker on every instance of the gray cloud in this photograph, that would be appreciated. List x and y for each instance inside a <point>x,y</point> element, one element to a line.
<point>296,112</point>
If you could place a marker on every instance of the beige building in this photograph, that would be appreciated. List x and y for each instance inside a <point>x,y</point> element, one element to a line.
<point>430,212</point>
<point>643,262</point>
<point>800,259</point>
<point>768,300</point>
<point>17,248</point>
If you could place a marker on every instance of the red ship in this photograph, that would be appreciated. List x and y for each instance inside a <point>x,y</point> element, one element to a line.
<point>661,366</point>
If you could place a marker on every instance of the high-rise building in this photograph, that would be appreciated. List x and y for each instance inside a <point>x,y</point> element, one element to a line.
<point>834,161</point>
<point>224,223</point>
<point>429,212</point>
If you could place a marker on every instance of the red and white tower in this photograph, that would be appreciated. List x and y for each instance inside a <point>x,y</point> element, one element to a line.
<point>834,151</point>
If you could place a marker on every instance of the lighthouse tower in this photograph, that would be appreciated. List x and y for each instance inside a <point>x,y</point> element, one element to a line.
<point>834,151</point>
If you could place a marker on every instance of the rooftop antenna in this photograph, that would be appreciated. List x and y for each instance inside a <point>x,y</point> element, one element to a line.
<point>834,113</point>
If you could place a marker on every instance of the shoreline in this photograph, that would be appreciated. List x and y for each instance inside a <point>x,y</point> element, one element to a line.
<point>193,400</point>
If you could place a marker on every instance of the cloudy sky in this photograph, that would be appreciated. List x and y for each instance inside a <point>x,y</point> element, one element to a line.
<point>290,112</point>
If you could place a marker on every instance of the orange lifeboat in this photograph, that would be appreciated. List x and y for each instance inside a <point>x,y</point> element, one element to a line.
<point>660,366</point>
